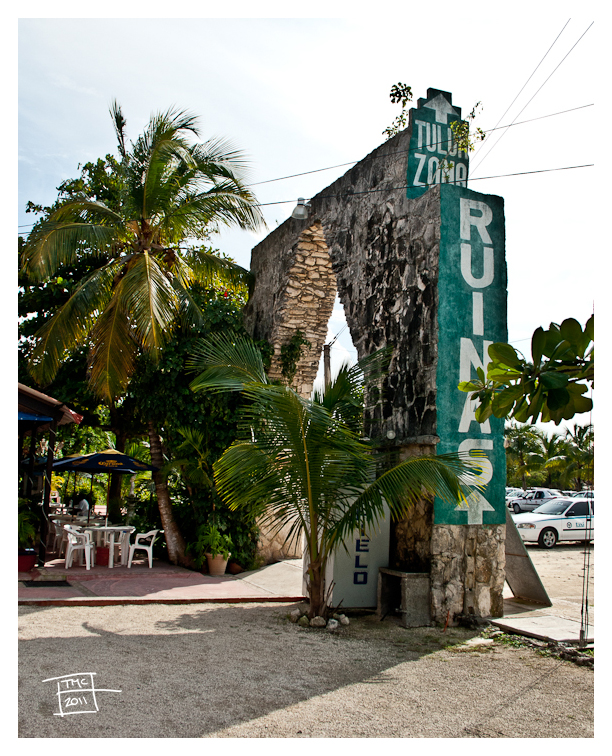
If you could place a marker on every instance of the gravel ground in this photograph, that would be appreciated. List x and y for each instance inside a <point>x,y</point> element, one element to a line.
<point>245,671</point>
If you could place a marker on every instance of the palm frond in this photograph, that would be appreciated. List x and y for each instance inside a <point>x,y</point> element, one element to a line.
<point>54,245</point>
<point>215,269</point>
<point>69,327</point>
<point>451,477</point>
<point>228,363</point>
<point>119,124</point>
<point>112,358</point>
<point>225,203</point>
<point>151,300</point>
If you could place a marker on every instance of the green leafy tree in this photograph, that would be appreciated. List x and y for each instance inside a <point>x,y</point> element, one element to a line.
<point>579,457</point>
<point>40,300</point>
<point>550,386</point>
<point>552,458</point>
<point>171,191</point>
<point>298,463</point>
<point>524,451</point>
<point>465,140</point>
<point>195,429</point>
<point>401,93</point>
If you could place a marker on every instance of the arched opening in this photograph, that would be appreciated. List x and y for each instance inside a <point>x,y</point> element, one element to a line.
<point>342,349</point>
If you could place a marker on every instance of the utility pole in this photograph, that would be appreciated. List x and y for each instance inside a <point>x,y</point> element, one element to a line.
<point>326,365</point>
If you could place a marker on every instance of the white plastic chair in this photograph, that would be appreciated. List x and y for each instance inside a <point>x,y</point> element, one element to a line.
<point>122,542</point>
<point>78,541</point>
<point>59,540</point>
<point>141,543</point>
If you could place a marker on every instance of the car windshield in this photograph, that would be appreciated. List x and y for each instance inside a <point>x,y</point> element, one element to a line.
<point>554,507</point>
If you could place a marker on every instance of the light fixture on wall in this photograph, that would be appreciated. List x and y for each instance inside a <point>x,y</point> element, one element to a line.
<point>300,211</point>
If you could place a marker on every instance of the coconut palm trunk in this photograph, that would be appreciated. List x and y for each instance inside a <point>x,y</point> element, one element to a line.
<point>174,539</point>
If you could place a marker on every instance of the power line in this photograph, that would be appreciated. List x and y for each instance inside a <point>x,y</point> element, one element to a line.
<point>398,152</point>
<point>398,188</point>
<point>524,85</point>
<point>538,90</point>
<point>402,152</point>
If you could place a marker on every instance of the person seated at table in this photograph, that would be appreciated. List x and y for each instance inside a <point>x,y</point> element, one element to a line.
<point>82,504</point>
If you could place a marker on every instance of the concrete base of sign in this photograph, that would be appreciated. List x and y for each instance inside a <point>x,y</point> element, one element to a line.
<point>406,594</point>
<point>546,627</point>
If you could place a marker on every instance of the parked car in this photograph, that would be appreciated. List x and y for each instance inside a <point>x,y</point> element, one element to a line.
<point>583,494</point>
<point>566,519</point>
<point>532,499</point>
<point>512,493</point>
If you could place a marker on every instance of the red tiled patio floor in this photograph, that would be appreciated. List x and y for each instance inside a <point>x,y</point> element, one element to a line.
<point>163,583</point>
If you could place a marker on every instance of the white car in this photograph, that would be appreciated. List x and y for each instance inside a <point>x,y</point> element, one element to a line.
<point>529,500</point>
<point>562,519</point>
<point>583,494</point>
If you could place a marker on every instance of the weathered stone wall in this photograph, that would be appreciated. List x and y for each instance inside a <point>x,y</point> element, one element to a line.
<point>467,570</point>
<point>304,302</point>
<point>275,545</point>
<point>384,254</point>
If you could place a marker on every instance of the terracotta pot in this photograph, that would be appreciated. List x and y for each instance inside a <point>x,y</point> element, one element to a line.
<point>216,565</point>
<point>234,568</point>
<point>102,555</point>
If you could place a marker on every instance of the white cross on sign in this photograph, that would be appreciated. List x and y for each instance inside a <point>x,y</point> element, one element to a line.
<point>442,107</point>
<point>475,505</point>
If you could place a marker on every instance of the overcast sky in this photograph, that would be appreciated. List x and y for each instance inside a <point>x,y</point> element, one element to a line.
<point>301,94</point>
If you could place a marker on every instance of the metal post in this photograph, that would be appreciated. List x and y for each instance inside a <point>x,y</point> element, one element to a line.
<point>44,520</point>
<point>326,365</point>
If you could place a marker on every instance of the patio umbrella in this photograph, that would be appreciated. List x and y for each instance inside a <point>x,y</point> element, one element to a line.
<point>107,461</point>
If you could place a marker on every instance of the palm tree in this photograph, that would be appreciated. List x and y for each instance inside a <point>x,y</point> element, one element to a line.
<point>580,456</point>
<point>171,192</point>
<point>300,464</point>
<point>552,457</point>
<point>523,450</point>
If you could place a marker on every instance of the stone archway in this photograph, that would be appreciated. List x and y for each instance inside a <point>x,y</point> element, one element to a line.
<point>392,244</point>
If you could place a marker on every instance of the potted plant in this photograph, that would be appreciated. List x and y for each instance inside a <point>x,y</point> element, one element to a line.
<point>213,545</point>
<point>26,534</point>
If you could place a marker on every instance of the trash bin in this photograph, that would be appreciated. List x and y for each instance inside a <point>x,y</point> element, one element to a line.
<point>102,554</point>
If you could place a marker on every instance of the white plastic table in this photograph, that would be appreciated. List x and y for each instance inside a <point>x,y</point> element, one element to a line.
<point>97,531</point>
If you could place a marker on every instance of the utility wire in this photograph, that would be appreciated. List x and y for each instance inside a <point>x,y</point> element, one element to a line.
<point>398,152</point>
<point>344,327</point>
<point>399,188</point>
<point>405,186</point>
<point>538,90</point>
<point>523,87</point>
<point>403,152</point>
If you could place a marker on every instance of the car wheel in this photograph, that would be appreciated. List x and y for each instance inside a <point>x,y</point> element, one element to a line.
<point>548,538</point>
<point>517,509</point>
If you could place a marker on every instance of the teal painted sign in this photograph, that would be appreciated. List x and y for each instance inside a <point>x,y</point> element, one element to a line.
<point>472,295</point>
<point>434,157</point>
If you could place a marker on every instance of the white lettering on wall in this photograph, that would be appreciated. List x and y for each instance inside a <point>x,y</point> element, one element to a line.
<point>468,357</point>
<point>461,174</point>
<point>479,221</point>
<point>419,170</point>
<point>477,314</point>
<point>421,126</point>
<point>485,465</point>
<point>433,171</point>
<point>466,267</point>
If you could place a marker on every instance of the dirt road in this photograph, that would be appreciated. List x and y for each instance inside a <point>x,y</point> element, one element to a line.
<point>245,671</point>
